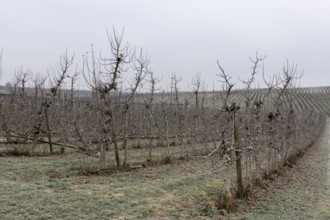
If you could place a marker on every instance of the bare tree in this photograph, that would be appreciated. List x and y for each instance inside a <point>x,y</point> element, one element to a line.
<point>73,78</point>
<point>234,146</point>
<point>149,107</point>
<point>59,73</point>
<point>180,115</point>
<point>140,68</point>
<point>196,114</point>
<point>248,120</point>
<point>104,77</point>
<point>22,78</point>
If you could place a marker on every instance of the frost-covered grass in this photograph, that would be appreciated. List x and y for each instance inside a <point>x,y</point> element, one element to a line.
<point>52,187</point>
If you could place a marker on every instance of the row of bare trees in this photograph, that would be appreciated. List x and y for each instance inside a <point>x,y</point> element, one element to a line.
<point>264,137</point>
<point>248,137</point>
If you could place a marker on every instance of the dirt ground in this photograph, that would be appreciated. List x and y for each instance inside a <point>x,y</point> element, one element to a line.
<point>300,192</point>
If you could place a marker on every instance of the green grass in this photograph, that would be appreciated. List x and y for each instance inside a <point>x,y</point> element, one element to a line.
<point>51,188</point>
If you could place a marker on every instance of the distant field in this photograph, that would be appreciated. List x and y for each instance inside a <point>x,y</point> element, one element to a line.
<point>308,98</point>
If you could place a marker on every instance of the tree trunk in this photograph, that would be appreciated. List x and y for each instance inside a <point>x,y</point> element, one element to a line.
<point>110,123</point>
<point>240,189</point>
<point>150,127</point>
<point>103,162</point>
<point>114,140</point>
<point>48,130</point>
<point>167,138</point>
<point>125,163</point>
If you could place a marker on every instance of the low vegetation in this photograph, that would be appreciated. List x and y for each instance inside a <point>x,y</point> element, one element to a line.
<point>58,187</point>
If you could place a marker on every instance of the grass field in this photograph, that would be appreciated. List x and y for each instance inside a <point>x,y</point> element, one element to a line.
<point>54,187</point>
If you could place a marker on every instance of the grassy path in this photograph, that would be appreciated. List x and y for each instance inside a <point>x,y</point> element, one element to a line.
<point>322,210</point>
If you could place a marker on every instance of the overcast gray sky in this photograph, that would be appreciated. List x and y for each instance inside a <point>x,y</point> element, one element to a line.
<point>182,36</point>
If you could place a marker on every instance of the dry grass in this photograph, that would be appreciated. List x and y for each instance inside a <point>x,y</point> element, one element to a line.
<point>52,188</point>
